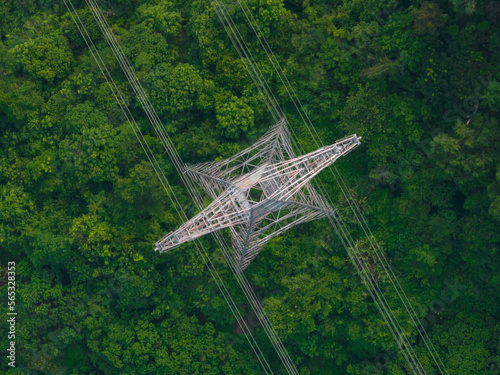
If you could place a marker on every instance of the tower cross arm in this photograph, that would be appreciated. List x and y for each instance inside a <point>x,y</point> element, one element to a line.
<point>228,210</point>
<point>292,175</point>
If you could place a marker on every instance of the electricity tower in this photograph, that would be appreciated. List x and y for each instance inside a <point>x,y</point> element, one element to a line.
<point>259,193</point>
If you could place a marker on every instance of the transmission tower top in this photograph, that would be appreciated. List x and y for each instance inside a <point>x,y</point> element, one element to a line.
<point>259,193</point>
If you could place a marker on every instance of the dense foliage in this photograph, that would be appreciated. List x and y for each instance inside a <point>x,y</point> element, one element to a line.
<point>81,206</point>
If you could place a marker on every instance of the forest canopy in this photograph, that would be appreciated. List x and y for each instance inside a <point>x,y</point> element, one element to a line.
<point>81,207</point>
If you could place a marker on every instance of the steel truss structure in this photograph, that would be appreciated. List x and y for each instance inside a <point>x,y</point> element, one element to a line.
<point>259,193</point>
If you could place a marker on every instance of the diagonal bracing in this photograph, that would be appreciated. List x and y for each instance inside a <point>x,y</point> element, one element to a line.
<point>259,193</point>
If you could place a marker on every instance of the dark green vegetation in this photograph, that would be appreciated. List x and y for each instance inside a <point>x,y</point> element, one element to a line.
<point>81,207</point>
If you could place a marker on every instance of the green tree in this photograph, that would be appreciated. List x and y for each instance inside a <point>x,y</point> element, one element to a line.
<point>234,117</point>
<point>46,57</point>
<point>162,17</point>
<point>175,89</point>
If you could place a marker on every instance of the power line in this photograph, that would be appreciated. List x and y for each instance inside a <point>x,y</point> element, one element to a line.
<point>163,180</point>
<point>238,42</point>
<point>355,209</point>
<point>241,278</point>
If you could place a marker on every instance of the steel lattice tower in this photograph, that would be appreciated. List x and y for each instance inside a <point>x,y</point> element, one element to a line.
<point>259,193</point>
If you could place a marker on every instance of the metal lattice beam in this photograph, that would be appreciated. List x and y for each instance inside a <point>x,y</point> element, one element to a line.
<point>259,193</point>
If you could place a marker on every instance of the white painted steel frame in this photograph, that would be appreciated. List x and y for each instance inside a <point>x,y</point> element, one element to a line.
<point>259,193</point>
